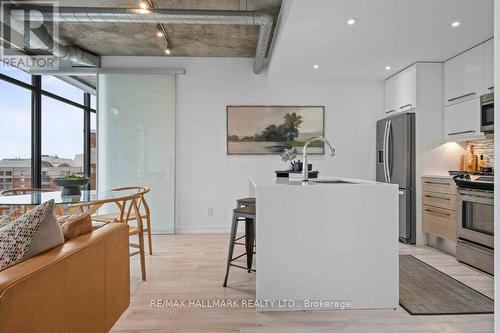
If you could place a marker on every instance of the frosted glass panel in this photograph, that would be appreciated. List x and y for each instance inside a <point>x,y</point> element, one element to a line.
<point>136,146</point>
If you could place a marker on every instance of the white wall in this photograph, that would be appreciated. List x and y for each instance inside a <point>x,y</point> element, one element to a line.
<point>207,177</point>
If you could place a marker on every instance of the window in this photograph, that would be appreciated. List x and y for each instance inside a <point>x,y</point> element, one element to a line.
<point>58,147</point>
<point>93,151</point>
<point>62,139</point>
<point>15,126</point>
<point>93,102</point>
<point>58,87</point>
<point>15,73</point>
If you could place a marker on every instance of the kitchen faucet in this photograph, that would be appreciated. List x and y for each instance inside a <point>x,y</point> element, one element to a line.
<point>305,169</point>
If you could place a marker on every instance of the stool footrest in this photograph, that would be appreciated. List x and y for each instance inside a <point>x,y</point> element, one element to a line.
<point>238,257</point>
<point>237,239</point>
<point>238,266</point>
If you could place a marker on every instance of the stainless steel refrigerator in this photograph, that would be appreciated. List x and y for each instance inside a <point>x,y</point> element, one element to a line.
<point>396,165</point>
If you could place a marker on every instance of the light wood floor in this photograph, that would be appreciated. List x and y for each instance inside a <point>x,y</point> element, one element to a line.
<point>191,267</point>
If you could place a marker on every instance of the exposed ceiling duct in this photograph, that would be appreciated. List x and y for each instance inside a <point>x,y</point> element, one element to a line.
<point>40,38</point>
<point>71,53</point>
<point>165,16</point>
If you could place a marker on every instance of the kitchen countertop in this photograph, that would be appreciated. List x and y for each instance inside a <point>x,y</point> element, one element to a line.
<point>274,181</point>
<point>321,241</point>
<point>437,175</point>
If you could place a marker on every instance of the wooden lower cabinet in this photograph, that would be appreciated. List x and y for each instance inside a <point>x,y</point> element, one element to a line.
<point>439,207</point>
<point>440,222</point>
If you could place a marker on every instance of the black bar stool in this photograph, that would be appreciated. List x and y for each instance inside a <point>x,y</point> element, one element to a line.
<point>240,214</point>
<point>245,202</point>
<point>249,230</point>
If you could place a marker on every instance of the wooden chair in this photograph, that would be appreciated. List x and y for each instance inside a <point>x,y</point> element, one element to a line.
<point>142,204</point>
<point>21,191</point>
<point>128,206</point>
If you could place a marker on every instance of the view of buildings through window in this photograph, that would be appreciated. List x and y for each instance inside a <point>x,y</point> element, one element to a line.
<point>62,132</point>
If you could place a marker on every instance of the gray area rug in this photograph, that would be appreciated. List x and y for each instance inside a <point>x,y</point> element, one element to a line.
<point>423,290</point>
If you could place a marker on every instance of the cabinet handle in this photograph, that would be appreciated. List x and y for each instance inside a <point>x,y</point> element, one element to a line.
<point>436,212</point>
<point>466,95</point>
<point>491,88</point>
<point>390,111</point>
<point>463,132</point>
<point>437,183</point>
<point>436,197</point>
<point>404,106</point>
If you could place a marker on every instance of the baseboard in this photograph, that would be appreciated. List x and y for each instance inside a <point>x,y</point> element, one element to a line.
<point>441,244</point>
<point>202,229</point>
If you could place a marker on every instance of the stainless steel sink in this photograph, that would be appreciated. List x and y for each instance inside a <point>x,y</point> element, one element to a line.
<point>326,181</point>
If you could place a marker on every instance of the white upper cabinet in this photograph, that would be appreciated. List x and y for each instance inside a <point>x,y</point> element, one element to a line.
<point>464,76</point>
<point>489,81</point>
<point>462,121</point>
<point>401,91</point>
<point>390,95</point>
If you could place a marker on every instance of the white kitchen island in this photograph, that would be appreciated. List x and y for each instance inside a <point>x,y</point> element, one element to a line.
<point>326,245</point>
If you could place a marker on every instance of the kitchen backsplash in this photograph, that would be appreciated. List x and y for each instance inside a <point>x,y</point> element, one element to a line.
<point>485,148</point>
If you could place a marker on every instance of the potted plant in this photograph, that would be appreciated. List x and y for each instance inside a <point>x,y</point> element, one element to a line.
<point>71,184</point>
<point>289,155</point>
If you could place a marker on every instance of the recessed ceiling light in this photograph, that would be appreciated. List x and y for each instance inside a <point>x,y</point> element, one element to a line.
<point>455,24</point>
<point>159,34</point>
<point>144,5</point>
<point>167,51</point>
<point>352,21</point>
<point>387,68</point>
<point>315,66</point>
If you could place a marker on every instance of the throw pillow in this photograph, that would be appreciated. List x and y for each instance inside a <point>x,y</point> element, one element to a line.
<point>48,236</point>
<point>75,225</point>
<point>16,237</point>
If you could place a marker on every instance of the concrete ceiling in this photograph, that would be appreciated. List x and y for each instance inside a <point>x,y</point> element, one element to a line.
<point>392,33</point>
<point>188,40</point>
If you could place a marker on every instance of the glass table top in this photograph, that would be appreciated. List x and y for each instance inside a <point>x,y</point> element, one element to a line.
<point>59,199</point>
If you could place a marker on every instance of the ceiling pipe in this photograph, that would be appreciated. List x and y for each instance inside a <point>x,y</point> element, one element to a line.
<point>166,16</point>
<point>40,38</point>
<point>71,53</point>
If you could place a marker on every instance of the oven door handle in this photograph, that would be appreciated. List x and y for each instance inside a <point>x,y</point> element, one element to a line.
<point>476,199</point>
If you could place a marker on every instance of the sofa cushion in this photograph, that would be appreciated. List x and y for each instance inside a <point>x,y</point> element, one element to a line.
<point>17,237</point>
<point>75,225</point>
<point>48,236</point>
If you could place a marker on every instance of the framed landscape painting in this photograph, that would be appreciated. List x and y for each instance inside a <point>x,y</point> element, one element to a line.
<point>259,130</point>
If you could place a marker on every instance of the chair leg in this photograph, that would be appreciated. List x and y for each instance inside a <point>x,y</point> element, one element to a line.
<point>141,254</point>
<point>232,237</point>
<point>150,245</point>
<point>249,240</point>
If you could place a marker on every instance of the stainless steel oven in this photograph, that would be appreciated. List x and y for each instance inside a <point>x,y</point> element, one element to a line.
<point>475,228</point>
<point>487,113</point>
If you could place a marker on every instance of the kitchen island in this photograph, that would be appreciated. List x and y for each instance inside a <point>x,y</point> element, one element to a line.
<point>329,243</point>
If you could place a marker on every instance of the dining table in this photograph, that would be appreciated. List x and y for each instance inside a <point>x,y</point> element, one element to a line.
<point>88,201</point>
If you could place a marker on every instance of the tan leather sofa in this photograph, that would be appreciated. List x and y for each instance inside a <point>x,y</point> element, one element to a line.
<point>81,286</point>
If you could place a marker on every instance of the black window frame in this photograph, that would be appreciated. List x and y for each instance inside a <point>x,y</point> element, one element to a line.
<point>36,123</point>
